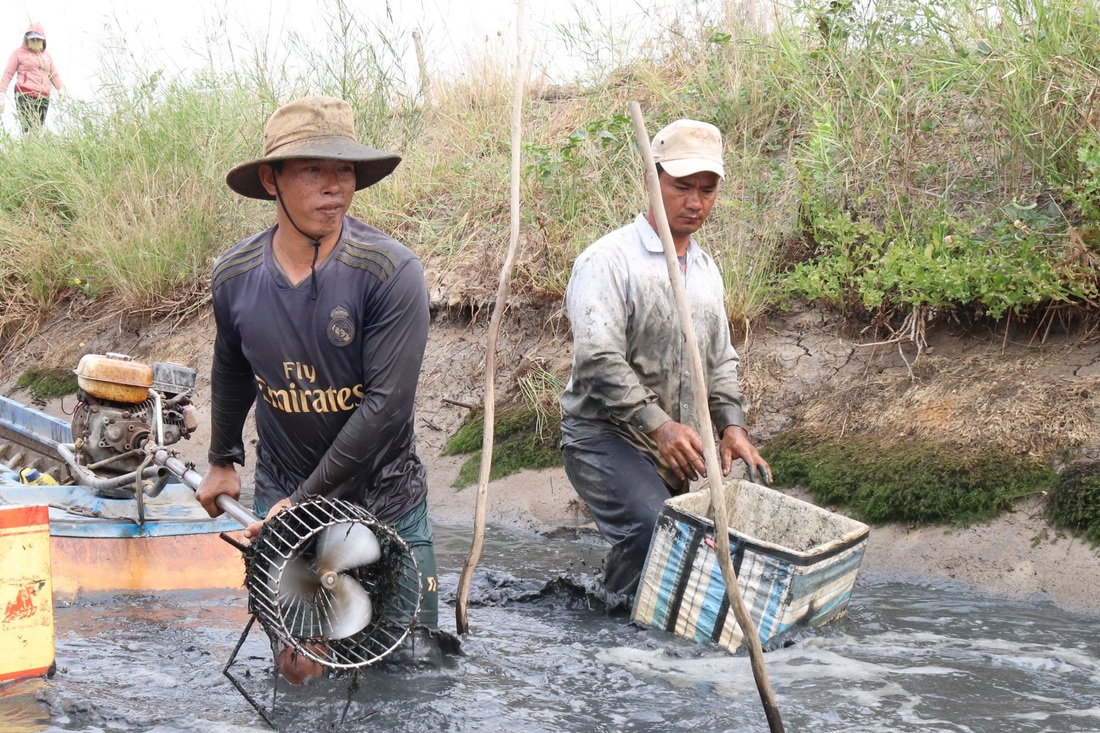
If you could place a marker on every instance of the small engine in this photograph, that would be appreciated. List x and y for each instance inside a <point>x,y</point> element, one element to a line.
<point>122,405</point>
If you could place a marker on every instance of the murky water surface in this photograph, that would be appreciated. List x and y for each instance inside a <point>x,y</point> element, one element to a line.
<point>908,658</point>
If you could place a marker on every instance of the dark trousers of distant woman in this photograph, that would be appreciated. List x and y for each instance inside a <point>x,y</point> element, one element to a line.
<point>31,111</point>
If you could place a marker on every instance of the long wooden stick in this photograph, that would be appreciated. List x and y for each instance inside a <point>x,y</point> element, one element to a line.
<point>425,80</point>
<point>702,407</point>
<point>461,621</point>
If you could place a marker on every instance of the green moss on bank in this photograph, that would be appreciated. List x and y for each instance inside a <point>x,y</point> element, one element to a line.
<point>45,384</point>
<point>912,482</point>
<point>1075,501</point>
<point>521,439</point>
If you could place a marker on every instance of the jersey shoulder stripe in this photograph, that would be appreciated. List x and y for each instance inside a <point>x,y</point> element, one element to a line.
<point>379,260</point>
<point>242,258</point>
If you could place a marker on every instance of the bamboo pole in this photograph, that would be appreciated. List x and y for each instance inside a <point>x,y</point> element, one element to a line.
<point>461,621</point>
<point>702,407</point>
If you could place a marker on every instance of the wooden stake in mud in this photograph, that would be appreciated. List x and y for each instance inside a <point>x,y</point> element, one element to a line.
<point>714,468</point>
<point>461,622</point>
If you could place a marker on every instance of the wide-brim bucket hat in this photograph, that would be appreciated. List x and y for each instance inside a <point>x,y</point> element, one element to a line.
<point>312,127</point>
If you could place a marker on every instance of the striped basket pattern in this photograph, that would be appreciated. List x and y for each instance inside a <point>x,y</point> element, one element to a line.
<point>682,590</point>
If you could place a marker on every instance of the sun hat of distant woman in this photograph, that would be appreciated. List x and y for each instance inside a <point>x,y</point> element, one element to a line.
<point>312,127</point>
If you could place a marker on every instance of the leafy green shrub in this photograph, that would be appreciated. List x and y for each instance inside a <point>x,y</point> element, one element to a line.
<point>1074,502</point>
<point>563,164</point>
<point>1008,266</point>
<point>911,482</point>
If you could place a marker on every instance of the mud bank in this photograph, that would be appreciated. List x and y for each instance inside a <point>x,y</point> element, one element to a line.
<point>1029,393</point>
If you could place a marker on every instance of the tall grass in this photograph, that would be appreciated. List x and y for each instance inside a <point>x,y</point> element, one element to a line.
<point>120,206</point>
<point>891,159</point>
<point>939,157</point>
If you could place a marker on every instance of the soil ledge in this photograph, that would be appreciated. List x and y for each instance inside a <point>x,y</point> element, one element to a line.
<point>1032,397</point>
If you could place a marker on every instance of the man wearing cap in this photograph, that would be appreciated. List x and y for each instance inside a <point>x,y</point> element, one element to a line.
<point>630,434</point>
<point>322,322</point>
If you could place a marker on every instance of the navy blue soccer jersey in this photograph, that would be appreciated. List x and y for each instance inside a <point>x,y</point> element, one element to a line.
<point>333,378</point>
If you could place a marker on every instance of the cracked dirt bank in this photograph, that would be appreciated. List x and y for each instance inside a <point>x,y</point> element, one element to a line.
<point>797,368</point>
<point>793,368</point>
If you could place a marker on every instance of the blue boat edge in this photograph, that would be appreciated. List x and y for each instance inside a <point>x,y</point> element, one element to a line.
<point>76,510</point>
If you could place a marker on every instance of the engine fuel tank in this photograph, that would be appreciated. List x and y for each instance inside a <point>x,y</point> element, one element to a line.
<point>114,377</point>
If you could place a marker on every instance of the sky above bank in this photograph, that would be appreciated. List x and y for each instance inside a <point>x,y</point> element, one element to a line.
<point>85,38</point>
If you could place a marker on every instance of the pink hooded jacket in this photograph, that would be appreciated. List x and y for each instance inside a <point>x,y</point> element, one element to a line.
<point>34,71</point>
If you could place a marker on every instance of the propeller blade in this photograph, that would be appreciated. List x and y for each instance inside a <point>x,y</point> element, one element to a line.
<point>347,545</point>
<point>300,590</point>
<point>298,580</point>
<point>350,610</point>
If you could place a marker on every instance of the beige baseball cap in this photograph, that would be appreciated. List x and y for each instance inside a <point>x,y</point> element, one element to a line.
<point>687,147</point>
<point>312,127</point>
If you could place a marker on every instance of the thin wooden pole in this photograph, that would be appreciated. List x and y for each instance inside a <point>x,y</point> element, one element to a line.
<point>425,80</point>
<point>702,407</point>
<point>461,621</point>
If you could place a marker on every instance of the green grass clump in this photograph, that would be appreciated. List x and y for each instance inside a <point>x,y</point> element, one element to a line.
<point>521,439</point>
<point>1075,500</point>
<point>914,483</point>
<point>45,384</point>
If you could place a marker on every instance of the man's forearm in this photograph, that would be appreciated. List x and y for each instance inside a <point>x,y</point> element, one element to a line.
<point>227,418</point>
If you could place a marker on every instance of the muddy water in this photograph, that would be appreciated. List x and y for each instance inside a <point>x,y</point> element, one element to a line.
<point>908,658</point>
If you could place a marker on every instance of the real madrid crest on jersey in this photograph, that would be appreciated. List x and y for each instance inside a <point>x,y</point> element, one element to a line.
<point>341,331</point>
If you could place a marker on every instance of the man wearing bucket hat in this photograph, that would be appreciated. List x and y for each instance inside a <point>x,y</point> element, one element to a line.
<point>630,435</point>
<point>322,322</point>
<point>35,74</point>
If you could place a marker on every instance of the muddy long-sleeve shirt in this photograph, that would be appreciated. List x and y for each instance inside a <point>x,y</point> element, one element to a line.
<point>333,379</point>
<point>631,368</point>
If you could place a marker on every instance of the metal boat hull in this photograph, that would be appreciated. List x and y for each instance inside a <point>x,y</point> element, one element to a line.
<point>97,544</point>
<point>82,565</point>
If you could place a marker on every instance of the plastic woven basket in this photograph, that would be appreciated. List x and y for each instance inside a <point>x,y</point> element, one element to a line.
<point>796,563</point>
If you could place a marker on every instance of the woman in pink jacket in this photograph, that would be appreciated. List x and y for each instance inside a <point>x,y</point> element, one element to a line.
<point>34,74</point>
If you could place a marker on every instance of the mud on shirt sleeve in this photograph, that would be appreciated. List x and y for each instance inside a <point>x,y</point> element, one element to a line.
<point>726,401</point>
<point>395,335</point>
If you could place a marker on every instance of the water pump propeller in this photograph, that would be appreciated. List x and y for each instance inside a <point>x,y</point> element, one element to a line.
<point>322,593</point>
<point>325,578</point>
<point>328,579</point>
